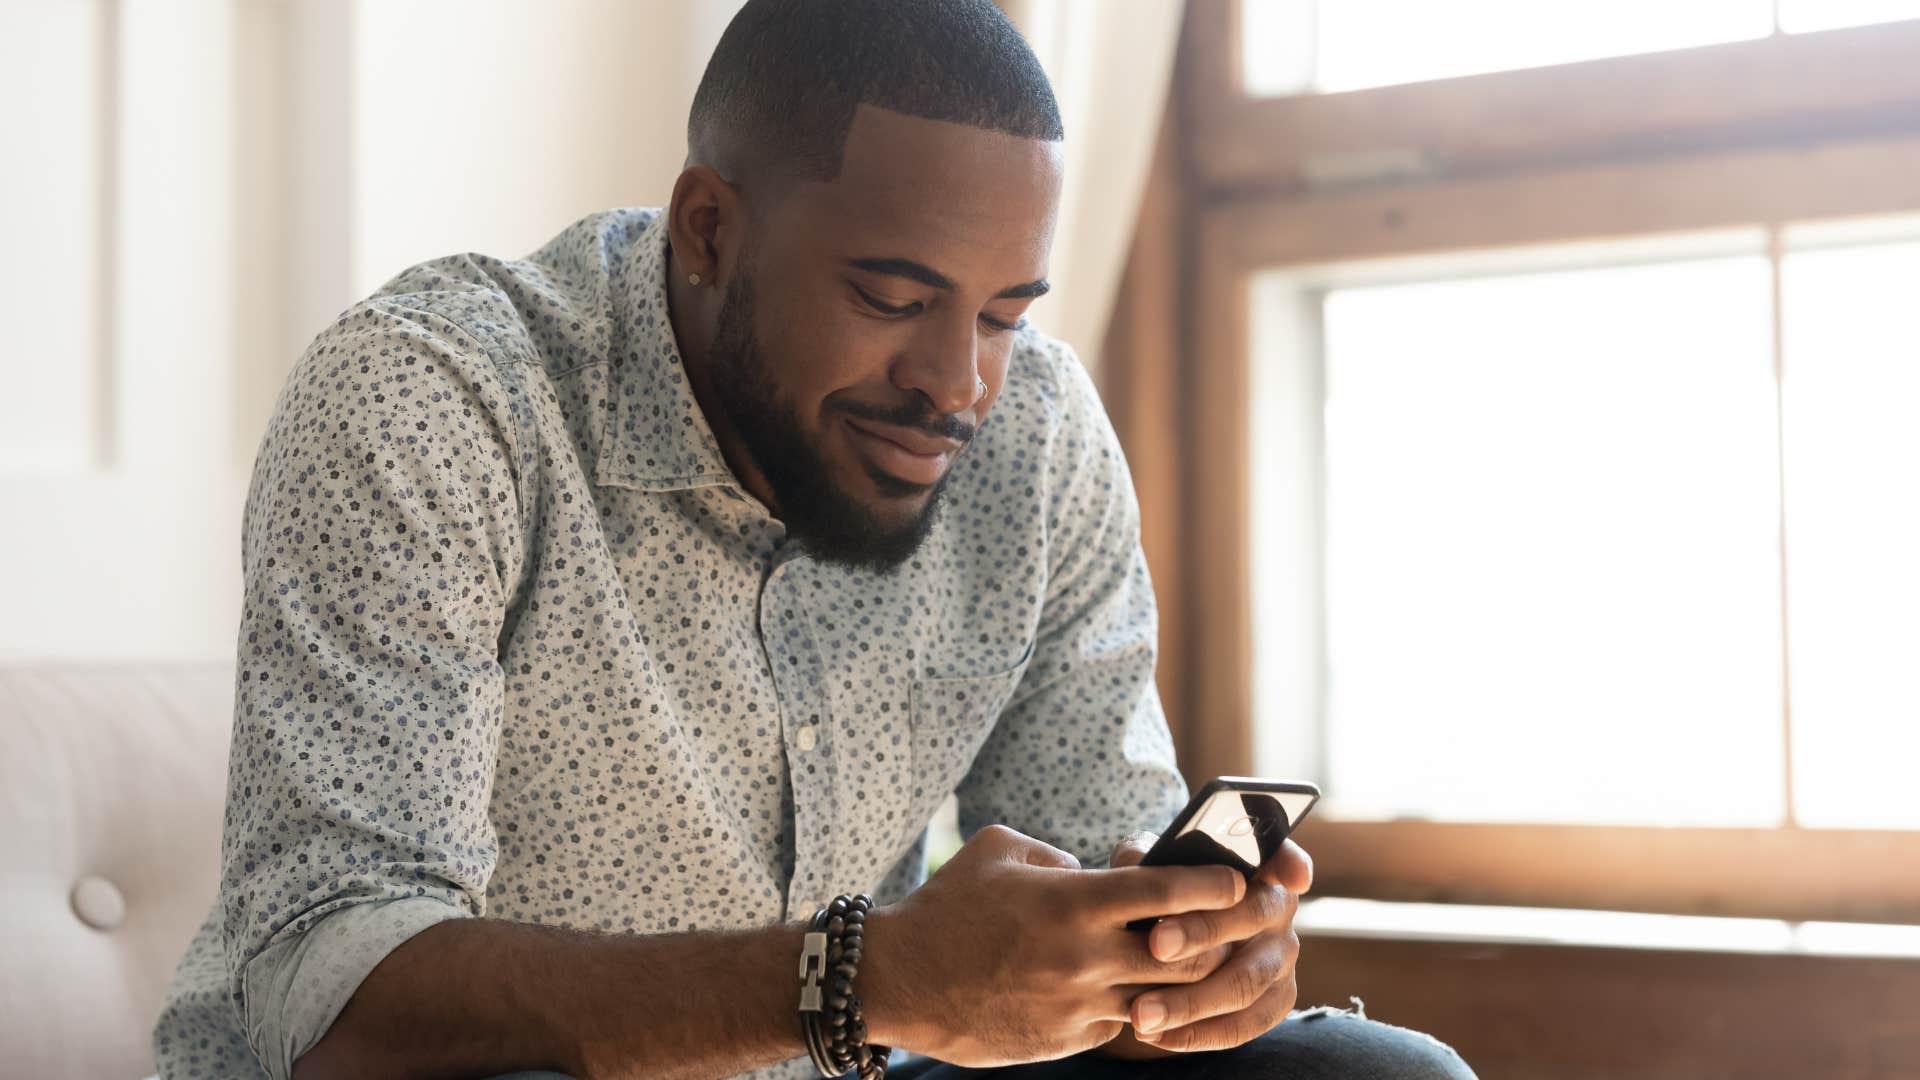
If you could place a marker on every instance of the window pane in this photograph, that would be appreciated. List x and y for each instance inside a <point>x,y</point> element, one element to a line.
<point>1553,580</point>
<point>1362,43</point>
<point>1853,532</point>
<point>1799,16</point>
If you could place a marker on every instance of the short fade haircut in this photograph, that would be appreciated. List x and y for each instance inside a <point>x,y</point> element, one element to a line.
<point>781,88</point>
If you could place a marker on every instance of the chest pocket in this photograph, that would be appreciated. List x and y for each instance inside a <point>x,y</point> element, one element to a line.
<point>951,717</point>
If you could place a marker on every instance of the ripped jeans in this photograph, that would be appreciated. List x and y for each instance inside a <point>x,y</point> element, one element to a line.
<point>1321,1043</point>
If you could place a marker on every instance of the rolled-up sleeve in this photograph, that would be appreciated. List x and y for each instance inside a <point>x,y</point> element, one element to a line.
<point>381,549</point>
<point>1081,756</point>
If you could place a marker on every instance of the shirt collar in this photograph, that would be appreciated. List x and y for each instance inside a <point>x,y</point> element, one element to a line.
<point>657,438</point>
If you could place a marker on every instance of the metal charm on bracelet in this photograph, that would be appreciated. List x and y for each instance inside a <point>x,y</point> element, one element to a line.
<point>813,963</point>
<point>830,1016</point>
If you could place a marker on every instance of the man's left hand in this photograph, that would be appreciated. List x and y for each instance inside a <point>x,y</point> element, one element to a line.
<point>1250,992</point>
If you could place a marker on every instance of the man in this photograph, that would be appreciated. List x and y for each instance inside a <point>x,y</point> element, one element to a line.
<point>609,611</point>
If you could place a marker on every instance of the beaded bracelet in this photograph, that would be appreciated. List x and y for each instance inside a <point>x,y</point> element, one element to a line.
<point>835,1031</point>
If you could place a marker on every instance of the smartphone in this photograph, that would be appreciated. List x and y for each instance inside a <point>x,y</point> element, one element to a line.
<point>1237,821</point>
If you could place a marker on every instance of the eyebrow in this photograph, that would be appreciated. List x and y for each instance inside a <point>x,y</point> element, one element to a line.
<point>928,276</point>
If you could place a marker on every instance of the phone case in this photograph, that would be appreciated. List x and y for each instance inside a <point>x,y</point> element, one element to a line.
<point>1237,821</point>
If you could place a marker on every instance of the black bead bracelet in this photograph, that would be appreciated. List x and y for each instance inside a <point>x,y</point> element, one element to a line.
<point>830,1017</point>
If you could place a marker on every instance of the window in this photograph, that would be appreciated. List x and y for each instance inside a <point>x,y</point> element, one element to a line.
<point>1357,44</point>
<point>1853,532</point>
<point>1552,524</point>
<point>1551,546</point>
<point>1560,420</point>
<point>1329,46</point>
<point>1799,16</point>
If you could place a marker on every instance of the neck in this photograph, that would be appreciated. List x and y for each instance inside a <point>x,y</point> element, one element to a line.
<point>692,312</point>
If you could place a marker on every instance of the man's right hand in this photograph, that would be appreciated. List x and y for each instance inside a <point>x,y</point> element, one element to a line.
<point>1012,953</point>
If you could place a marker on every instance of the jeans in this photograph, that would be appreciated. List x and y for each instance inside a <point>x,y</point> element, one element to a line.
<point>1311,1044</point>
<point>1321,1043</point>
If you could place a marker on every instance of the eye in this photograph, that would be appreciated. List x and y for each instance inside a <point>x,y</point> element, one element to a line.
<point>883,308</point>
<point>995,326</point>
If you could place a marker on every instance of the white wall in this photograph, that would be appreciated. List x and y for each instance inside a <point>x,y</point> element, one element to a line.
<point>119,534</point>
<point>491,124</point>
<point>194,187</point>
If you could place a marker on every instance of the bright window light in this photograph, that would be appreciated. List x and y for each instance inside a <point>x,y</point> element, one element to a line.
<point>1362,43</point>
<point>1344,916</point>
<point>1852,393</point>
<point>1858,939</point>
<point>1552,559</point>
<point>1799,16</point>
<point>1541,926</point>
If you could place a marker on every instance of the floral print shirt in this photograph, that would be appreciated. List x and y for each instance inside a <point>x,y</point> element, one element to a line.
<point>516,643</point>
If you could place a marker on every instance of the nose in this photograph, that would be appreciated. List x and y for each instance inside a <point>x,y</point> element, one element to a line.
<point>943,364</point>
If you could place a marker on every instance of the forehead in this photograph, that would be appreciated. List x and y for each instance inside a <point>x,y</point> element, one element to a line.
<point>976,201</point>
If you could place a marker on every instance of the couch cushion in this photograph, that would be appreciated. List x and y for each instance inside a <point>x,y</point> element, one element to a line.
<point>112,780</point>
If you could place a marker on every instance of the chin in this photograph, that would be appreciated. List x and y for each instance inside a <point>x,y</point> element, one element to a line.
<point>860,515</point>
<point>871,525</point>
<point>891,491</point>
<point>893,503</point>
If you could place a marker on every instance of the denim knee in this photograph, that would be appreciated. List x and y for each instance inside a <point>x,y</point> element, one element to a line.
<point>1335,1044</point>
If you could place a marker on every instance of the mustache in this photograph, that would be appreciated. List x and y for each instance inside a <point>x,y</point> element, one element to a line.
<point>918,415</point>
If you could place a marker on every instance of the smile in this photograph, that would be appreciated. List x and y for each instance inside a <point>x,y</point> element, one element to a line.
<point>907,455</point>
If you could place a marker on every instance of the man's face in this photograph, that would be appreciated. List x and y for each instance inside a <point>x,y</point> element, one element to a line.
<point>863,315</point>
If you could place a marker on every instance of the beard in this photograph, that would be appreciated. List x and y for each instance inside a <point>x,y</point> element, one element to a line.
<point>831,523</point>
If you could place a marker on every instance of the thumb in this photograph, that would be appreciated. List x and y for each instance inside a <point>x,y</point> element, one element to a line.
<point>1132,848</point>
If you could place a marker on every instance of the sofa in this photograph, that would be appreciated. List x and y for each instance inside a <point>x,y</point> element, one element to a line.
<point>112,781</point>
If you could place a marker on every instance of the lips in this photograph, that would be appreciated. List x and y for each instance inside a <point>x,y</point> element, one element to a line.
<point>909,455</point>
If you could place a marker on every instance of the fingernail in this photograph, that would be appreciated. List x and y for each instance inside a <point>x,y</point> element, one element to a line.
<point>1151,1015</point>
<point>1168,939</point>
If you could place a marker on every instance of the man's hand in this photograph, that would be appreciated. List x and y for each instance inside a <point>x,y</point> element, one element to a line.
<point>1012,953</point>
<point>1246,995</point>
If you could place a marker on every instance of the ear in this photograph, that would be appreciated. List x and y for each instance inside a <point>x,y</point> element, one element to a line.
<point>704,223</point>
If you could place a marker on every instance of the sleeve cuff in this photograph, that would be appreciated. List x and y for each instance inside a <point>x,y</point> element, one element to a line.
<point>293,989</point>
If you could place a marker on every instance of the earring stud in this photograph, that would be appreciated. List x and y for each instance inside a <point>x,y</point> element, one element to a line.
<point>693,279</point>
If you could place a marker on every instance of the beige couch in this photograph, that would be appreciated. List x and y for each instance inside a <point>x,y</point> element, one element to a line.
<point>112,780</point>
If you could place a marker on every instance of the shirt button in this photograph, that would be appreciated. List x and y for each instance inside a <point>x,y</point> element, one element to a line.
<point>805,738</point>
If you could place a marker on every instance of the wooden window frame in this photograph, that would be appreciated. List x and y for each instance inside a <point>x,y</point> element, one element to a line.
<point>1763,133</point>
<point>1573,1012</point>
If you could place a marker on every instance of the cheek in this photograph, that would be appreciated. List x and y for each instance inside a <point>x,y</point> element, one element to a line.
<point>853,358</point>
<point>816,349</point>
